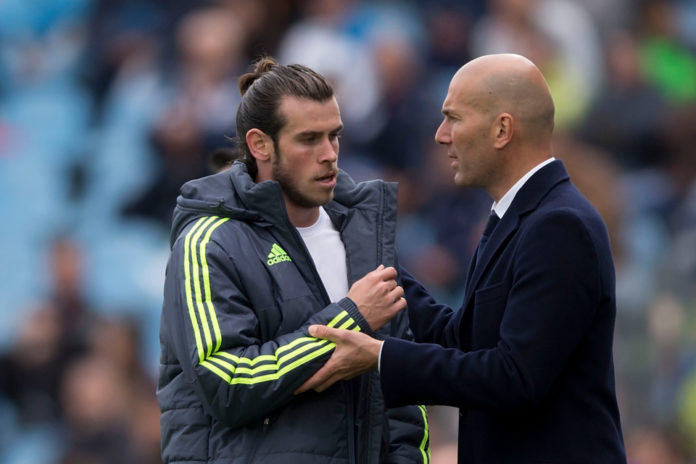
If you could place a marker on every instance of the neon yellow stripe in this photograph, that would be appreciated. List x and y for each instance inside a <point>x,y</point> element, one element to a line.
<point>206,285</point>
<point>286,369</point>
<point>267,367</point>
<point>232,369</point>
<point>338,318</point>
<point>332,323</point>
<point>187,285</point>
<point>264,357</point>
<point>424,449</point>
<point>292,344</point>
<point>256,360</point>
<point>284,348</point>
<point>219,372</point>
<point>197,283</point>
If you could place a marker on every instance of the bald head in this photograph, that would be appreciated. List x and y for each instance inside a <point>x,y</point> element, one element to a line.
<point>498,122</point>
<point>512,84</point>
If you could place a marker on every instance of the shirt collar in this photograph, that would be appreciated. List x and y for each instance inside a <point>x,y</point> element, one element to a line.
<point>500,207</point>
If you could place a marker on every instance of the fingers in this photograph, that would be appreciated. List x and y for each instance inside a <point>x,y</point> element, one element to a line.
<point>393,294</point>
<point>392,285</point>
<point>400,304</point>
<point>319,378</point>
<point>355,354</point>
<point>377,296</point>
<point>327,375</point>
<point>386,280</point>
<point>386,273</point>
<point>324,377</point>
<point>327,383</point>
<point>380,276</point>
<point>319,382</point>
<point>397,292</point>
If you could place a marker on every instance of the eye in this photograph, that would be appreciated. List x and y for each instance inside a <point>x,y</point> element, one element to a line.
<point>450,117</point>
<point>334,136</point>
<point>311,138</point>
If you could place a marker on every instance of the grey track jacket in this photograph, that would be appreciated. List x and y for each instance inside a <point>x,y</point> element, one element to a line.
<point>240,292</point>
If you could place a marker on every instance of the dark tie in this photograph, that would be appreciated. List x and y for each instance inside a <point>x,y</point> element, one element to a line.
<point>490,225</point>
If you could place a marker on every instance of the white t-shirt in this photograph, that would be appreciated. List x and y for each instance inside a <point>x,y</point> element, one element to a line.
<point>329,254</point>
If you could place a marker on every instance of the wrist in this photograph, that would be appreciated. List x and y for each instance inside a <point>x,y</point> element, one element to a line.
<point>352,309</point>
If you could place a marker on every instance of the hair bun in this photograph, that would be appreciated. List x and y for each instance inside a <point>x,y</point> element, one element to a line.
<point>260,67</point>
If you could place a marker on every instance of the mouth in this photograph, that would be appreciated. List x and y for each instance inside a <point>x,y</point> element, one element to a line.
<point>328,180</point>
<point>454,161</point>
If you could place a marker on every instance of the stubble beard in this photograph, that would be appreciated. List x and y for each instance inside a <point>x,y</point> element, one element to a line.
<point>291,189</point>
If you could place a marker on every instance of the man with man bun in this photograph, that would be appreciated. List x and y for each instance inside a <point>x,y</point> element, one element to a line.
<point>260,252</point>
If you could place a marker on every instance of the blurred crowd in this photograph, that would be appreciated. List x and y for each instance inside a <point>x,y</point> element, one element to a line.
<point>108,106</point>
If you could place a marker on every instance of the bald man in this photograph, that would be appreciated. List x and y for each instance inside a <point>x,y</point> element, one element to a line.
<point>528,356</point>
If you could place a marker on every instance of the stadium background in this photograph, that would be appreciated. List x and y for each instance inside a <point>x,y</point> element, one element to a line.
<point>108,106</point>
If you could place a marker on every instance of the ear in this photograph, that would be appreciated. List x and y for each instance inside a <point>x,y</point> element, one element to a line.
<point>504,127</point>
<point>260,145</point>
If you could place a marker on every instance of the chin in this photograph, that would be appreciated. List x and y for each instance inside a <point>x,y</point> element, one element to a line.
<point>317,200</point>
<point>327,198</point>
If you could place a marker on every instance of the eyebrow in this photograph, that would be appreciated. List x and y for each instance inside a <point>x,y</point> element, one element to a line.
<point>313,133</point>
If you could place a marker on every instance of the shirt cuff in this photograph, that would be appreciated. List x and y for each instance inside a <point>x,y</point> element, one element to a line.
<point>379,358</point>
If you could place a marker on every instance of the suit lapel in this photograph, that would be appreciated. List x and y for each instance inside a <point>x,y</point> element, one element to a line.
<point>505,228</point>
<point>470,273</point>
<point>527,199</point>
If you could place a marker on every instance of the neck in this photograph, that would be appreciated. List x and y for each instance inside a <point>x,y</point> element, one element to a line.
<point>514,173</point>
<point>301,216</point>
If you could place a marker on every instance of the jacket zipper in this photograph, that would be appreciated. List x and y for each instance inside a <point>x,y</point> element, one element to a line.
<point>351,422</point>
<point>380,215</point>
<point>350,406</point>
<point>252,456</point>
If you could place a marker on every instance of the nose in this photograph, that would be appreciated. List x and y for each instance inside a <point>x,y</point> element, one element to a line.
<point>329,151</point>
<point>442,134</point>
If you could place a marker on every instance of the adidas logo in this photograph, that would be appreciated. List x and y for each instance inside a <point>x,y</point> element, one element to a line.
<point>277,255</point>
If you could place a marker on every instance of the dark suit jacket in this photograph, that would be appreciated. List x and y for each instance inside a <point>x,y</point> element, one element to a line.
<point>528,356</point>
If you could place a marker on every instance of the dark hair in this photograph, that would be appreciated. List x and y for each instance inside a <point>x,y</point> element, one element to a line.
<point>263,88</point>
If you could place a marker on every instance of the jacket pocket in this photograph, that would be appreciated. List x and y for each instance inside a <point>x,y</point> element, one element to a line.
<point>489,306</point>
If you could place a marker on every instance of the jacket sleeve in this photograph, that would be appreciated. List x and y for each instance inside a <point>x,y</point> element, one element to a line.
<point>548,309</point>
<point>431,322</point>
<point>409,436</point>
<point>214,333</point>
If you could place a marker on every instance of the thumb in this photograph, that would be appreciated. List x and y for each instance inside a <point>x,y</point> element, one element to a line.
<point>321,331</point>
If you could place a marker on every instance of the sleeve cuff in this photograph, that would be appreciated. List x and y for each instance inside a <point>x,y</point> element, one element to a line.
<point>352,309</point>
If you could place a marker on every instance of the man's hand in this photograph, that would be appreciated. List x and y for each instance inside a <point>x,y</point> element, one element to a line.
<point>355,353</point>
<point>377,296</point>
